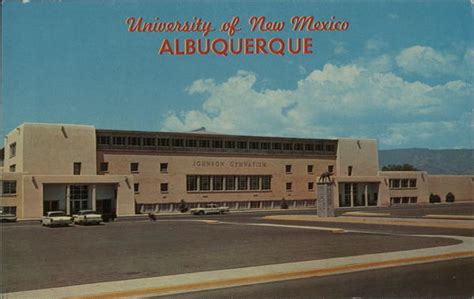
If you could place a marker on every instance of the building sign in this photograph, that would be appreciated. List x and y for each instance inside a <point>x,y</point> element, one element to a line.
<point>229,164</point>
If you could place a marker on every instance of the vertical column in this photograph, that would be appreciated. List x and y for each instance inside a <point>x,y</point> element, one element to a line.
<point>352,194</point>
<point>68,199</point>
<point>366,187</point>
<point>94,189</point>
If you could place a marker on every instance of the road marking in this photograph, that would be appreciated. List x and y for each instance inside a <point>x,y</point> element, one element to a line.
<point>173,284</point>
<point>331,229</point>
<point>467,217</point>
<point>444,223</point>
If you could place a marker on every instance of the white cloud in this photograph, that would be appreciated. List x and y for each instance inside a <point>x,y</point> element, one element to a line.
<point>336,101</point>
<point>25,1</point>
<point>428,62</point>
<point>375,44</point>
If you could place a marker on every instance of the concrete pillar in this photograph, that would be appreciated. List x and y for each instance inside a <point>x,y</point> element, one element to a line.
<point>68,199</point>
<point>352,194</point>
<point>366,193</point>
<point>94,200</point>
<point>325,202</point>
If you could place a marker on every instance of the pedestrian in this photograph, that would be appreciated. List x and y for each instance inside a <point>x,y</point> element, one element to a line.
<point>151,217</point>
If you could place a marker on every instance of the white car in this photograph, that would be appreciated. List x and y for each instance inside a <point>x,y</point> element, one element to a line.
<point>87,217</point>
<point>56,218</point>
<point>7,217</point>
<point>210,209</point>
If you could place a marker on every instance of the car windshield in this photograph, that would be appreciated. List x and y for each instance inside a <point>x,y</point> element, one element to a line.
<point>88,212</point>
<point>55,214</point>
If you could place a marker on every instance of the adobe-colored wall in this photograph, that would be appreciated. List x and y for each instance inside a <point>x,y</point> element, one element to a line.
<point>361,154</point>
<point>12,200</point>
<point>150,178</point>
<point>421,191</point>
<point>14,136</point>
<point>461,186</point>
<point>53,148</point>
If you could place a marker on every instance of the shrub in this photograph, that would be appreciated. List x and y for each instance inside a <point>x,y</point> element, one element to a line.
<point>434,198</point>
<point>450,197</point>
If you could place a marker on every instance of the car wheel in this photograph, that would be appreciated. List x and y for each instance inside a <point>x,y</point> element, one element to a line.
<point>201,213</point>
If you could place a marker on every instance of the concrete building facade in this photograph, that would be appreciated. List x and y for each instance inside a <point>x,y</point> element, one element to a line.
<point>73,167</point>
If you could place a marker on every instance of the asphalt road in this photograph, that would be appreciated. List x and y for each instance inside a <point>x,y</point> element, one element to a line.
<point>35,257</point>
<point>451,279</point>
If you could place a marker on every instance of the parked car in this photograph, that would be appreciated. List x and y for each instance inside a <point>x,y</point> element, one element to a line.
<point>56,218</point>
<point>210,209</point>
<point>7,217</point>
<point>87,217</point>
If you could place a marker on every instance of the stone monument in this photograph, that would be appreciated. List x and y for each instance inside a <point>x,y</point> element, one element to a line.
<point>325,202</point>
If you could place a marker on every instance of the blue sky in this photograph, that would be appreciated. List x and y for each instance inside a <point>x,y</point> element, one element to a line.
<point>402,73</point>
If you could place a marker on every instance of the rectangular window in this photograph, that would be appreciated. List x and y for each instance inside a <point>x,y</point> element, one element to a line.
<point>265,145</point>
<point>13,168</point>
<point>217,183</point>
<point>79,192</point>
<point>230,182</point>
<point>330,168</point>
<point>136,187</point>
<point>330,147</point>
<point>229,144</point>
<point>9,187</point>
<point>310,186</point>
<point>13,150</point>
<point>134,167</point>
<point>395,183</point>
<point>77,168</point>
<point>310,168</point>
<point>191,143</point>
<point>289,186</point>
<point>254,182</point>
<point>164,187</point>
<point>134,141</point>
<point>103,140</point>
<point>405,183</point>
<point>288,168</point>
<point>178,142</point>
<point>413,199</point>
<point>266,182</point>
<point>287,146</point>
<point>149,141</point>
<point>104,166</point>
<point>163,142</point>
<point>163,167</point>
<point>309,147</point>
<point>205,183</point>
<point>276,146</point>
<point>405,200</point>
<point>8,210</point>
<point>253,145</point>
<point>217,143</point>
<point>298,146</point>
<point>319,147</point>
<point>349,170</point>
<point>118,140</point>
<point>191,183</point>
<point>413,183</point>
<point>242,183</point>
<point>204,143</point>
<point>241,144</point>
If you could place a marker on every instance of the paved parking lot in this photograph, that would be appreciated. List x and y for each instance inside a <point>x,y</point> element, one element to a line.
<point>35,257</point>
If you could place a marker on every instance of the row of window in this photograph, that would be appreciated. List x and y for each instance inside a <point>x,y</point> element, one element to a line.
<point>134,167</point>
<point>263,204</point>
<point>401,183</point>
<point>152,142</point>
<point>228,183</point>
<point>403,200</point>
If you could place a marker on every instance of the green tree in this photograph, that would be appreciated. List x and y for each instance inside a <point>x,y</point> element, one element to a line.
<point>399,167</point>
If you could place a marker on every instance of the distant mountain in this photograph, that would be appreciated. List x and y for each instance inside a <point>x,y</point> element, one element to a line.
<point>449,161</point>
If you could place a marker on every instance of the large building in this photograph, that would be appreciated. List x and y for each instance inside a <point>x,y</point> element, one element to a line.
<point>72,167</point>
